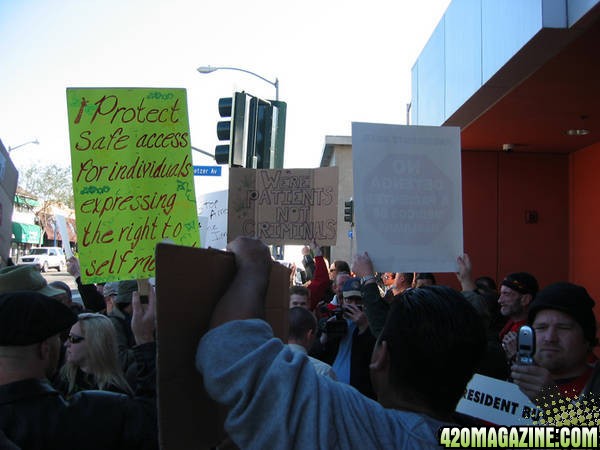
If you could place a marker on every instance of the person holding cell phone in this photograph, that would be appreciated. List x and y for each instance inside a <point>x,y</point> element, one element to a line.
<point>562,318</point>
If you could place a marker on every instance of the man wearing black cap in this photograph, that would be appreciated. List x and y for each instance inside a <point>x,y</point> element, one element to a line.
<point>562,317</point>
<point>34,415</point>
<point>517,291</point>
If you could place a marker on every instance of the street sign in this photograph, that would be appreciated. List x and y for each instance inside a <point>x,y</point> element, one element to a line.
<point>207,171</point>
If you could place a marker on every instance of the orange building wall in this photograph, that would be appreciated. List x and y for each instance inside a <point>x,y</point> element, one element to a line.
<point>534,182</point>
<point>498,189</point>
<point>585,221</point>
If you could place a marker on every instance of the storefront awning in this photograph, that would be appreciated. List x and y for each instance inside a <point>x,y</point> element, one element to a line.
<point>27,233</point>
<point>24,201</point>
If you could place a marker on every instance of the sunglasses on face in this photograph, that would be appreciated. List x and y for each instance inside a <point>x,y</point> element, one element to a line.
<point>74,339</point>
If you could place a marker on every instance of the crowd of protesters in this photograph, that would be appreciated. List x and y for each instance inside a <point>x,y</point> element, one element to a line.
<point>373,360</point>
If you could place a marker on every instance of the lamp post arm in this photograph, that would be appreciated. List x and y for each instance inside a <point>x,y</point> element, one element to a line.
<point>203,152</point>
<point>10,149</point>
<point>272,83</point>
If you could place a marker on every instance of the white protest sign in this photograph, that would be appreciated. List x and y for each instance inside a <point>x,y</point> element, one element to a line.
<point>498,402</point>
<point>407,196</point>
<point>61,224</point>
<point>212,217</point>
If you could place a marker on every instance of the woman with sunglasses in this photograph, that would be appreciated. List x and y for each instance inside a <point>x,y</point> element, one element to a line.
<point>91,359</point>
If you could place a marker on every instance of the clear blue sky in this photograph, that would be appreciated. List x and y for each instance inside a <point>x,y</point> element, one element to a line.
<point>337,62</point>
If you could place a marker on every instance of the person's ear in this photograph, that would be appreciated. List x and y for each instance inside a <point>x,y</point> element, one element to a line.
<point>44,349</point>
<point>526,300</point>
<point>381,357</point>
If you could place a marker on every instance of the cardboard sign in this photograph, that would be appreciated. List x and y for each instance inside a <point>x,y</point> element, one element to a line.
<point>212,216</point>
<point>407,196</point>
<point>498,402</point>
<point>133,178</point>
<point>8,187</point>
<point>284,206</point>
<point>189,283</point>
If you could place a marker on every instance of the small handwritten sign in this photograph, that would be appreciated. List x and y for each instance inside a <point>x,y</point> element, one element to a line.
<point>212,216</point>
<point>132,178</point>
<point>284,206</point>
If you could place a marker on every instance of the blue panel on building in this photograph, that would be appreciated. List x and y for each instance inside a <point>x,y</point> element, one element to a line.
<point>431,73</point>
<point>507,25</point>
<point>576,9</point>
<point>463,53</point>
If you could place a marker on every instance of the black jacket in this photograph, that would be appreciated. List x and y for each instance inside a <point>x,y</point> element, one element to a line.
<point>34,415</point>
<point>360,358</point>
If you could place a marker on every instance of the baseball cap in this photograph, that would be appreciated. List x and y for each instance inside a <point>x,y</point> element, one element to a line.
<point>351,288</point>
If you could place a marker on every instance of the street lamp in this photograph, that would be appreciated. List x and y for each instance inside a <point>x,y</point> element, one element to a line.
<point>10,149</point>
<point>209,69</point>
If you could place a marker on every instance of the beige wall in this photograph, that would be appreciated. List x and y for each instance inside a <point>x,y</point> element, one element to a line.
<point>342,158</point>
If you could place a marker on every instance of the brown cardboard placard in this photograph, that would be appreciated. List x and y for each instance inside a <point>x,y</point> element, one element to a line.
<point>189,283</point>
<point>284,206</point>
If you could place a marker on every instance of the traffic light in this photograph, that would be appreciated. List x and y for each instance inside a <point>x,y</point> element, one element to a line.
<point>278,133</point>
<point>232,130</point>
<point>262,155</point>
<point>266,133</point>
<point>349,211</point>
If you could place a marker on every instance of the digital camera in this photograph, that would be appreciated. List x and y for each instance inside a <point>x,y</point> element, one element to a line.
<point>335,325</point>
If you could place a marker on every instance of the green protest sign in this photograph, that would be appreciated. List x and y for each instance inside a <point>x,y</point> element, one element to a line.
<point>133,178</point>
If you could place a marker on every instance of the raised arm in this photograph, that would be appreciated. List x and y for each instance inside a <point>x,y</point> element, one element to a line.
<point>245,297</point>
<point>91,298</point>
<point>320,281</point>
<point>464,273</point>
<point>376,308</point>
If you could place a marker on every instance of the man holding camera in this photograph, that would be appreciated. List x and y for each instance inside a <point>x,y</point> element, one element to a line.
<point>562,317</point>
<point>346,341</point>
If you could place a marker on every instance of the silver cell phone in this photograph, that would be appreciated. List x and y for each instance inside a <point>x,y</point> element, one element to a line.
<point>525,345</point>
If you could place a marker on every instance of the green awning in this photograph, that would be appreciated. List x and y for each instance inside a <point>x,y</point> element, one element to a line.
<point>27,233</point>
<point>24,201</point>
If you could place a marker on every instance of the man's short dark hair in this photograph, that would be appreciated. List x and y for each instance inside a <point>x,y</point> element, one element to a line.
<point>486,283</point>
<point>408,277</point>
<point>300,321</point>
<point>426,276</point>
<point>300,290</point>
<point>435,340</point>
<point>341,266</point>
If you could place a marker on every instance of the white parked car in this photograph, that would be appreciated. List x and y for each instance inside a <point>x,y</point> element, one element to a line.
<point>46,258</point>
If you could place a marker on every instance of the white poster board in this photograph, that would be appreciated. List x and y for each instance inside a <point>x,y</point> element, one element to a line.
<point>408,196</point>
<point>498,402</point>
<point>212,217</point>
<point>61,224</point>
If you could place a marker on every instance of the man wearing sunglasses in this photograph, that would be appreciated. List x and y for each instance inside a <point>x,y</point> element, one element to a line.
<point>34,415</point>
